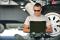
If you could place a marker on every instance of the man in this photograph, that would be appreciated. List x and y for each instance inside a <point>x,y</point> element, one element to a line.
<point>37,17</point>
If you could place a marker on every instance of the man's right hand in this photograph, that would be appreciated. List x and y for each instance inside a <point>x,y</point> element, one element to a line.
<point>26,29</point>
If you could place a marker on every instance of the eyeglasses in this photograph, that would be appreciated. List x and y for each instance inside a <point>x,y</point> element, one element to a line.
<point>36,10</point>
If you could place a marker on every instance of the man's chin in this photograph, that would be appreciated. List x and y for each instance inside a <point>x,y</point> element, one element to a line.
<point>37,15</point>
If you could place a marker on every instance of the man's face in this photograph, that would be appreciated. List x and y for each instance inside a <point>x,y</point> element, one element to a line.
<point>37,10</point>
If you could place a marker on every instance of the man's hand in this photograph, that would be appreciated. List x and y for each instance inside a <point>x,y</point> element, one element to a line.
<point>26,29</point>
<point>49,29</point>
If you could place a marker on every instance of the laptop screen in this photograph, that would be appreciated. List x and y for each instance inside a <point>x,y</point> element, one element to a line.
<point>37,26</point>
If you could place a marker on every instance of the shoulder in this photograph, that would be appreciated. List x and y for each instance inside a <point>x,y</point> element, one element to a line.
<point>28,16</point>
<point>44,16</point>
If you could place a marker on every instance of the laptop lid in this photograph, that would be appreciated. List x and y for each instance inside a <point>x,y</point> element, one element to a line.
<point>37,26</point>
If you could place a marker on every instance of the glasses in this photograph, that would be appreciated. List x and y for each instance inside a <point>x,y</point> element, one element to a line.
<point>36,10</point>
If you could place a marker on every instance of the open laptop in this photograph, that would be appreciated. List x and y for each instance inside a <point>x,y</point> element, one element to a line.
<point>37,26</point>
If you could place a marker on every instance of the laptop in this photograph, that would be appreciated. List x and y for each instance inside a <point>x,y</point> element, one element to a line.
<point>37,26</point>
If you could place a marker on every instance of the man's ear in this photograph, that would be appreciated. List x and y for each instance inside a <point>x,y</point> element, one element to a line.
<point>41,9</point>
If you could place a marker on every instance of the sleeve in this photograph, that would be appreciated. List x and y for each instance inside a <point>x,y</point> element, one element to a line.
<point>27,21</point>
